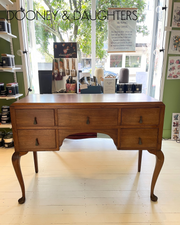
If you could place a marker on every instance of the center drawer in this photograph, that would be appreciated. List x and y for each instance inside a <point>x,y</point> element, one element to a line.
<point>37,139</point>
<point>34,118</point>
<point>87,117</point>
<point>140,116</point>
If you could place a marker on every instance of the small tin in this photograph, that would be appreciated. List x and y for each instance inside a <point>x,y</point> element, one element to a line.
<point>1,86</point>
<point>10,88</point>
<point>137,88</point>
<point>8,140</point>
<point>129,88</point>
<point>5,115</point>
<point>5,120</point>
<point>3,25</point>
<point>120,88</point>
<point>5,108</point>
<point>16,88</point>
<point>3,92</point>
<point>7,60</point>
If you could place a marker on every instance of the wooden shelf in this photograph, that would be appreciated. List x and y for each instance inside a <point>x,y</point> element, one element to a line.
<point>8,125</point>
<point>5,3</point>
<point>11,97</point>
<point>9,69</point>
<point>6,36</point>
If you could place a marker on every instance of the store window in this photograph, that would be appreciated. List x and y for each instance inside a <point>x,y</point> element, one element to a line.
<point>116,61</point>
<point>91,36</point>
<point>133,61</point>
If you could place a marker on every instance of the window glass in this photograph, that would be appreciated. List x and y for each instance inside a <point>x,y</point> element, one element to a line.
<point>116,61</point>
<point>137,62</point>
<point>133,61</point>
<point>48,28</point>
<point>158,51</point>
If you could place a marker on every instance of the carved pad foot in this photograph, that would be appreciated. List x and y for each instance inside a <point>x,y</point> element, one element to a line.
<point>22,200</point>
<point>154,198</point>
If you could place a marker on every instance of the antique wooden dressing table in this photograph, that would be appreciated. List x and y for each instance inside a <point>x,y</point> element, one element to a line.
<point>42,122</point>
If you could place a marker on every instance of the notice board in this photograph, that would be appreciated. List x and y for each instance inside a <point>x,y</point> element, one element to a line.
<point>122,29</point>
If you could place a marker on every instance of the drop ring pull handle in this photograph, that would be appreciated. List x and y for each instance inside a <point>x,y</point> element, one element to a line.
<point>140,141</point>
<point>141,120</point>
<point>35,120</point>
<point>87,122</point>
<point>37,142</point>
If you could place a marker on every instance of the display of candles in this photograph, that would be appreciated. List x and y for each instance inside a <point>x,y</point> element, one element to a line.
<point>7,60</point>
<point>12,89</point>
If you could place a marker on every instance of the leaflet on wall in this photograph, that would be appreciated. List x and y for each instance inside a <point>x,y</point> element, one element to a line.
<point>175,126</point>
<point>173,68</point>
<point>65,50</point>
<point>176,15</point>
<point>122,29</point>
<point>174,46</point>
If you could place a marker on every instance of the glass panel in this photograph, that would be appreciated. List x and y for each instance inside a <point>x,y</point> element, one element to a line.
<point>133,61</point>
<point>116,61</point>
<point>46,28</point>
<point>158,53</point>
<point>137,62</point>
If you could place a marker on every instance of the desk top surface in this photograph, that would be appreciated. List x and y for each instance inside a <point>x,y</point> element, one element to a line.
<point>66,99</point>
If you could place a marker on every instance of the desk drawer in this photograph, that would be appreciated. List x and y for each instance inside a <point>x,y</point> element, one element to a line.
<point>34,118</point>
<point>140,116</point>
<point>37,139</point>
<point>138,138</point>
<point>87,117</point>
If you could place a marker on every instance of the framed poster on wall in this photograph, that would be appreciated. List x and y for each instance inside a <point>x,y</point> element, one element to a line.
<point>65,50</point>
<point>173,71</point>
<point>174,46</point>
<point>176,15</point>
<point>175,126</point>
<point>122,29</point>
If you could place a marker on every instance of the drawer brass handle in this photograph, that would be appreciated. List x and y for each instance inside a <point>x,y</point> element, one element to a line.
<point>37,142</point>
<point>140,141</point>
<point>35,120</point>
<point>87,122</point>
<point>141,120</point>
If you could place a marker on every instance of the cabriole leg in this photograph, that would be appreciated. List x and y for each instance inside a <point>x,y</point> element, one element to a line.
<point>159,163</point>
<point>139,160</point>
<point>35,161</point>
<point>16,164</point>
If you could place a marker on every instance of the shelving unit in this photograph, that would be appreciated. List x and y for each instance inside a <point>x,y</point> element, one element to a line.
<point>8,125</point>
<point>4,5</point>
<point>9,69</point>
<point>11,97</point>
<point>6,36</point>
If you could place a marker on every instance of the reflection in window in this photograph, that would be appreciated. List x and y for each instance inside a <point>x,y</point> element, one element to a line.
<point>116,61</point>
<point>133,61</point>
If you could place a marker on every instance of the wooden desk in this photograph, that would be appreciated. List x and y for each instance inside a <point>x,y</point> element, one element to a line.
<point>42,122</point>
